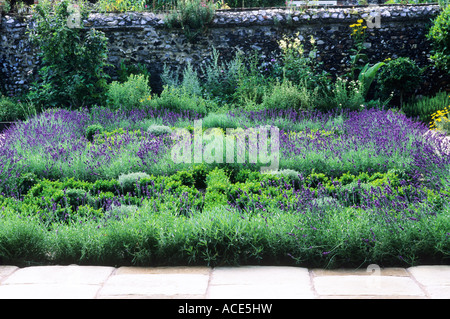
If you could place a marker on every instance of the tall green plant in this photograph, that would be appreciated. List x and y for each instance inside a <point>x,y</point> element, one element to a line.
<point>73,61</point>
<point>193,16</point>
<point>400,76</point>
<point>439,35</point>
<point>367,76</point>
<point>299,66</point>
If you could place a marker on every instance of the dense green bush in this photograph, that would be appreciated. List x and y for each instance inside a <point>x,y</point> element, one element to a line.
<point>76,197</point>
<point>128,68</point>
<point>286,95</point>
<point>178,99</point>
<point>424,107</point>
<point>130,94</point>
<point>298,65</point>
<point>92,130</point>
<point>400,76</point>
<point>74,61</point>
<point>9,110</point>
<point>345,95</point>
<point>439,35</point>
<point>221,79</point>
<point>193,16</point>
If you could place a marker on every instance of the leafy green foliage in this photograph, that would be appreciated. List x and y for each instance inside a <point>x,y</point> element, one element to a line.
<point>74,61</point>
<point>130,94</point>
<point>127,68</point>
<point>178,99</point>
<point>286,95</point>
<point>367,76</point>
<point>439,34</point>
<point>424,107</point>
<point>92,130</point>
<point>10,110</point>
<point>401,76</point>
<point>128,182</point>
<point>192,16</point>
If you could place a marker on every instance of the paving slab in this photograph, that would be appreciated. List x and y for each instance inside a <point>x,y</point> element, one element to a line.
<point>162,270</point>
<point>431,275</point>
<point>252,282</point>
<point>367,286</point>
<point>179,283</point>
<point>72,274</point>
<point>246,282</point>
<point>435,280</point>
<point>48,291</point>
<point>375,270</point>
<point>5,271</point>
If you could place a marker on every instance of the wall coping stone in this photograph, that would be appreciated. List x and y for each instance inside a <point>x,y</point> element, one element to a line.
<point>254,16</point>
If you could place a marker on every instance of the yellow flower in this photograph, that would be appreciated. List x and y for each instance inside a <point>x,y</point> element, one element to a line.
<point>360,21</point>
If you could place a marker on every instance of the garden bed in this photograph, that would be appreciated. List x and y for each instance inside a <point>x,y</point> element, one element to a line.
<point>241,162</point>
<point>352,189</point>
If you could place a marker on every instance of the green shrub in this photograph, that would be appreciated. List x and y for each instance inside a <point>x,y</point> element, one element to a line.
<point>199,173</point>
<point>27,181</point>
<point>76,197</point>
<point>192,16</point>
<point>130,94</point>
<point>126,69</point>
<point>291,176</point>
<point>219,120</point>
<point>117,212</point>
<point>185,178</point>
<point>191,82</point>
<point>9,110</point>
<point>346,94</point>
<point>286,95</point>
<point>177,99</point>
<point>221,79</point>
<point>427,105</point>
<point>104,186</point>
<point>439,35</point>
<point>217,181</point>
<point>314,179</point>
<point>74,61</point>
<point>119,5</point>
<point>92,130</point>
<point>400,76</point>
<point>128,182</point>
<point>299,66</point>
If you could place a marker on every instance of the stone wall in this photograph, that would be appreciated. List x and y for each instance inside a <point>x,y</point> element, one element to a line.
<point>141,37</point>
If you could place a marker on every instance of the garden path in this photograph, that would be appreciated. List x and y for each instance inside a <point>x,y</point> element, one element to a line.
<point>245,282</point>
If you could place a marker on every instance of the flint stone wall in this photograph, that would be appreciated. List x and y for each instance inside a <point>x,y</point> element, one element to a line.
<point>142,37</point>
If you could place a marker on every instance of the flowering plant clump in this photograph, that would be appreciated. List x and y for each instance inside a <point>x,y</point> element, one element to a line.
<point>358,29</point>
<point>440,120</point>
<point>121,5</point>
<point>299,65</point>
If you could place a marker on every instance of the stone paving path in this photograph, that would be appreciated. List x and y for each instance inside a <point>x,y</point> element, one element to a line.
<point>246,282</point>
